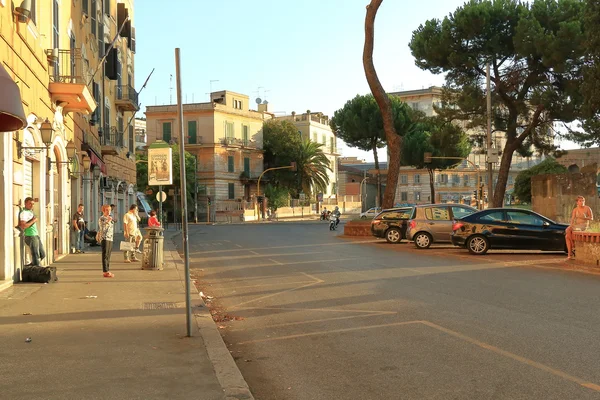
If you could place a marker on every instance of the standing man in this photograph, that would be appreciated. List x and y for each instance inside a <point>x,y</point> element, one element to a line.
<point>78,230</point>
<point>27,222</point>
<point>130,229</point>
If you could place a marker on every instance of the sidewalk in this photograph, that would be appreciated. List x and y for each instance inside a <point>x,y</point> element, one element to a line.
<point>112,338</point>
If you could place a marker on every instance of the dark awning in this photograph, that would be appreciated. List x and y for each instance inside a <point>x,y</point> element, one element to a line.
<point>12,116</point>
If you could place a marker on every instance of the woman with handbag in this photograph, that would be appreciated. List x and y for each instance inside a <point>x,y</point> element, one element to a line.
<point>106,234</point>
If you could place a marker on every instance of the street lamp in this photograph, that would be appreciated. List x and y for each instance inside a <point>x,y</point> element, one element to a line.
<point>46,131</point>
<point>71,155</point>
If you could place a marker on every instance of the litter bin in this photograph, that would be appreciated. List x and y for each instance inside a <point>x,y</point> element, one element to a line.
<point>153,256</point>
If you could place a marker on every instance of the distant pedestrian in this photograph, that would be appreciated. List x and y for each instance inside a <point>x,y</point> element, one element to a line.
<point>130,230</point>
<point>106,227</point>
<point>153,220</point>
<point>27,222</point>
<point>78,229</point>
<point>580,221</point>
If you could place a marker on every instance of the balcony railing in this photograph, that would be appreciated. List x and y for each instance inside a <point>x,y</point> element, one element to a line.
<point>127,98</point>
<point>68,82</point>
<point>229,141</point>
<point>111,140</point>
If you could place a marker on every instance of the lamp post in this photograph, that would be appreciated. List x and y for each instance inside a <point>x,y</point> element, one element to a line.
<point>46,131</point>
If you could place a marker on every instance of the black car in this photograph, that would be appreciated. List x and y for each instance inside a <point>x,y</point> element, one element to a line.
<point>508,228</point>
<point>391,223</point>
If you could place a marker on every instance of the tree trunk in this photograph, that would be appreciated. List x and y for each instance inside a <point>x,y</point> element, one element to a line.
<point>431,186</point>
<point>500,188</point>
<point>394,141</point>
<point>376,157</point>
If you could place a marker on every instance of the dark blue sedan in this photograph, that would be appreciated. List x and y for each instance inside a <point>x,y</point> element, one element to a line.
<point>508,228</point>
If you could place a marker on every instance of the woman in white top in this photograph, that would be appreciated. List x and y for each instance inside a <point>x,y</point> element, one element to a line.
<point>580,221</point>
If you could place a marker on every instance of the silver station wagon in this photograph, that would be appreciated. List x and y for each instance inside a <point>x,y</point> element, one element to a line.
<point>432,223</point>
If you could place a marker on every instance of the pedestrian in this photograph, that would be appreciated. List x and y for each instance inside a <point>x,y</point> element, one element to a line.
<point>27,222</point>
<point>130,230</point>
<point>580,221</point>
<point>138,233</point>
<point>153,220</point>
<point>78,225</point>
<point>106,229</point>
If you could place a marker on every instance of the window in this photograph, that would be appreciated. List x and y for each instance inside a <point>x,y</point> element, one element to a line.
<point>459,212</point>
<point>518,217</point>
<point>443,178</point>
<point>415,106</point>
<point>315,137</point>
<point>437,213</point>
<point>331,145</point>
<point>247,166</point>
<point>417,196</point>
<point>231,190</point>
<point>511,180</point>
<point>417,178</point>
<point>85,6</point>
<point>466,180</point>
<point>334,188</point>
<point>404,179</point>
<point>131,139</point>
<point>229,132</point>
<point>107,7</point>
<point>230,164</point>
<point>492,216</point>
<point>404,196</point>
<point>398,214</point>
<point>192,133</point>
<point>245,130</point>
<point>166,131</point>
<point>324,140</point>
<point>55,25</point>
<point>93,17</point>
<point>455,178</point>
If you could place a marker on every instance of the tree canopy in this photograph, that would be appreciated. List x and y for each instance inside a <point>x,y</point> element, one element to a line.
<point>313,166</point>
<point>523,181</point>
<point>281,141</point>
<point>535,51</point>
<point>591,78</point>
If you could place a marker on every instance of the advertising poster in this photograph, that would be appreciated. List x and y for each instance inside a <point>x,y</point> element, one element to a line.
<point>160,166</point>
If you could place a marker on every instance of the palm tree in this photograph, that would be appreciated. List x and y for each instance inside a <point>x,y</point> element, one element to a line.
<point>313,166</point>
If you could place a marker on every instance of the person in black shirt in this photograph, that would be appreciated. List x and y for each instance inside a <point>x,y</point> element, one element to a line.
<point>78,227</point>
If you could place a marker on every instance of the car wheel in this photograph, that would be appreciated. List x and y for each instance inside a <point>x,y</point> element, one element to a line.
<point>422,240</point>
<point>393,235</point>
<point>478,245</point>
<point>363,217</point>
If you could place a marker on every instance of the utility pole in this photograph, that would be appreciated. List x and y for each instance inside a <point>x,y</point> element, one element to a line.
<point>490,165</point>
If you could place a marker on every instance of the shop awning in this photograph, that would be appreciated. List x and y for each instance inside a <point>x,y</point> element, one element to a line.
<point>96,160</point>
<point>12,116</point>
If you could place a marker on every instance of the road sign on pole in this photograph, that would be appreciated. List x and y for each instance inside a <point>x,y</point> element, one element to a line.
<point>161,196</point>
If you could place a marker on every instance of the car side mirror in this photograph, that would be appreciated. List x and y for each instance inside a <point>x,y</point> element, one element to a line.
<point>546,224</point>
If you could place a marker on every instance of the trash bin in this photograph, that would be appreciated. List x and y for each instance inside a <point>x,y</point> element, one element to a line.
<point>152,254</point>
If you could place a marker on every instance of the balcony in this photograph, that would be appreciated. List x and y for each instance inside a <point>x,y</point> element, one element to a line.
<point>127,98</point>
<point>236,142</point>
<point>68,87</point>
<point>111,141</point>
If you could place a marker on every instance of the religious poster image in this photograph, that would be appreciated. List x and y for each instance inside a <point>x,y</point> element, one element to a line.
<point>160,166</point>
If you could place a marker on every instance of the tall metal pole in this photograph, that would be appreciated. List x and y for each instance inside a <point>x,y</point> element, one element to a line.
<point>160,216</point>
<point>490,169</point>
<point>186,250</point>
<point>196,188</point>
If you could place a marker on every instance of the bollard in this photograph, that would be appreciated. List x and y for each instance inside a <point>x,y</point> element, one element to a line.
<point>153,254</point>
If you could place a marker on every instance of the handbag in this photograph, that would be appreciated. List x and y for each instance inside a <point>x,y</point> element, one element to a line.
<point>126,246</point>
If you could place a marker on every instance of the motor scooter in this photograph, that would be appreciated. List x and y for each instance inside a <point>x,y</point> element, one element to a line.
<point>334,220</point>
<point>325,215</point>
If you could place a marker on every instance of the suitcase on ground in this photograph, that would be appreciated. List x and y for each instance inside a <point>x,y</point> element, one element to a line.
<point>39,274</point>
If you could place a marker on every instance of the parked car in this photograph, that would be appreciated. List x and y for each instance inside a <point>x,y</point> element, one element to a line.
<point>432,223</point>
<point>370,213</point>
<point>508,228</point>
<point>390,224</point>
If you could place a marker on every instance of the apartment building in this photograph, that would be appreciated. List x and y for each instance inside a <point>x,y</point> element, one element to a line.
<point>225,136</point>
<point>51,53</point>
<point>315,127</point>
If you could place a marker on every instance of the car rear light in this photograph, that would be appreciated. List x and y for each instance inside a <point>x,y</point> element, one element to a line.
<point>457,225</point>
<point>376,222</point>
<point>412,224</point>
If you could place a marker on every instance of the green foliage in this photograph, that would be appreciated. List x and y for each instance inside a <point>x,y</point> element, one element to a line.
<point>278,196</point>
<point>281,141</point>
<point>313,166</point>
<point>523,181</point>
<point>591,77</point>
<point>536,52</point>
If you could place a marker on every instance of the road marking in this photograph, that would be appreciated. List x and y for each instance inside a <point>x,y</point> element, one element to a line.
<point>253,252</point>
<point>513,356</point>
<point>275,261</point>
<point>302,335</point>
<point>238,245</point>
<point>290,247</point>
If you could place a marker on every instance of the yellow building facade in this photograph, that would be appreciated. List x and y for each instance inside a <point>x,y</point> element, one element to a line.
<point>50,49</point>
<point>225,136</point>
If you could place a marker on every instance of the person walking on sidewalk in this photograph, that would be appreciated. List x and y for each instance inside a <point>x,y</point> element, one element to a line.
<point>27,222</point>
<point>580,221</point>
<point>130,230</point>
<point>78,230</point>
<point>106,226</point>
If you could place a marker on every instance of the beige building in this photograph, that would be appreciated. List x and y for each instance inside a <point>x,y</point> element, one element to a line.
<point>51,50</point>
<point>225,136</point>
<point>315,127</point>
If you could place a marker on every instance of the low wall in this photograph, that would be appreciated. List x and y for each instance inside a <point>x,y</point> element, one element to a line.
<point>587,247</point>
<point>357,228</point>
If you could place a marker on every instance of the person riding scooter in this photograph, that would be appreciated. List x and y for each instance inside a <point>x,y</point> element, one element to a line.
<point>325,214</point>
<point>336,214</point>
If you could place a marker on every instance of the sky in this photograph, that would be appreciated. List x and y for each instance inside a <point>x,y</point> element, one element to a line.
<point>297,55</point>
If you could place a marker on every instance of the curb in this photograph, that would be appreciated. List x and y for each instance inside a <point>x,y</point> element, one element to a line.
<point>228,374</point>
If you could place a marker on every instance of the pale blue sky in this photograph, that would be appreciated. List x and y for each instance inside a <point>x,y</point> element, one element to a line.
<point>298,55</point>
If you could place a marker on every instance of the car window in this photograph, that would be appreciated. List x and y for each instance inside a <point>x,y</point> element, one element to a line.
<point>437,213</point>
<point>398,214</point>
<point>519,217</point>
<point>492,216</point>
<point>459,212</point>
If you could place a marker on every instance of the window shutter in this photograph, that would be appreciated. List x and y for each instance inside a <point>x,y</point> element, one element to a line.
<point>247,166</point>
<point>231,188</point>
<point>192,135</point>
<point>167,132</point>
<point>230,164</point>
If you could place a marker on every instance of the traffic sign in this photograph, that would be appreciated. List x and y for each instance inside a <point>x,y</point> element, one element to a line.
<point>161,194</point>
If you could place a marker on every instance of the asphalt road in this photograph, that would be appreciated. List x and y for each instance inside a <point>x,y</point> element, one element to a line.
<point>317,316</point>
